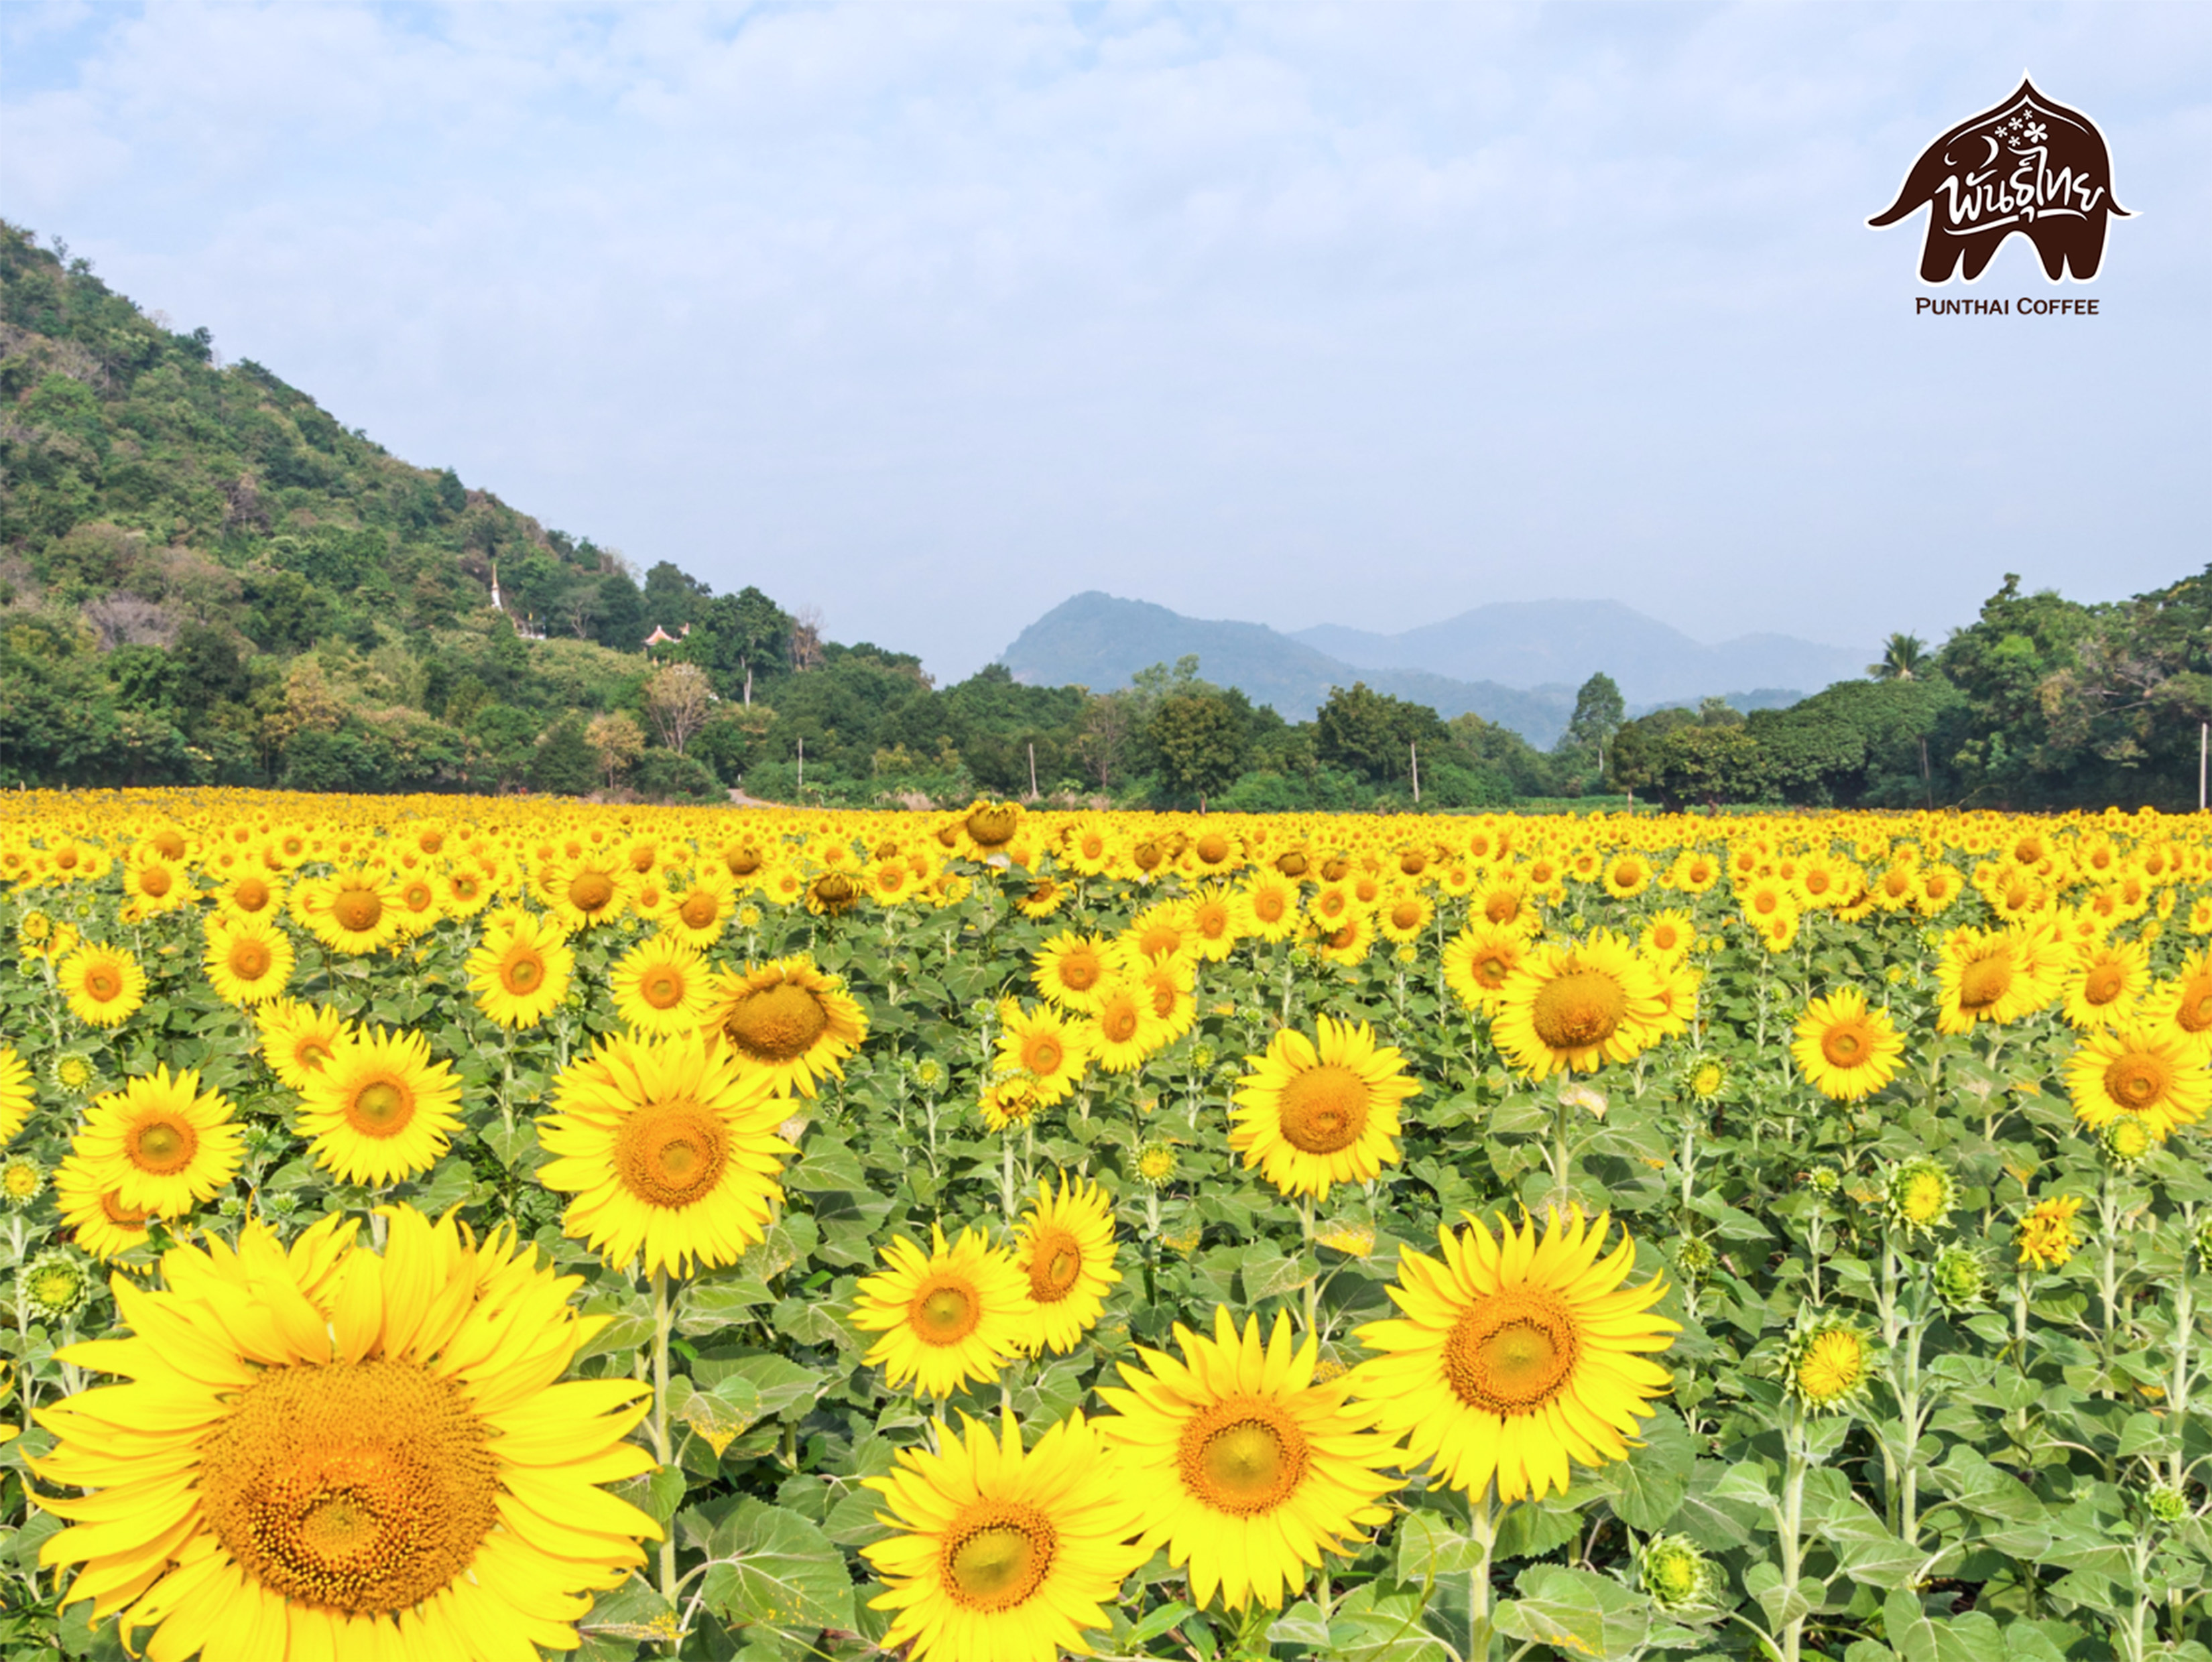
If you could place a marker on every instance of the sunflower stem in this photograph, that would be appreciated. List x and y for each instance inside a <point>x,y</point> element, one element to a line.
<point>662,1320</point>
<point>1482,1532</point>
<point>1313,1281</point>
<point>2184,1322</point>
<point>1791,1521</point>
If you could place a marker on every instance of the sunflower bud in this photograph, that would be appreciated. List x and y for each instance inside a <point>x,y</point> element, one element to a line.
<point>1694,1258</point>
<point>2166,1505</point>
<point>22,1181</point>
<point>1705,1083</point>
<point>2126,1142</point>
<point>1675,1573</point>
<point>1828,1364</point>
<point>2204,1243</point>
<point>1960,1277</point>
<point>56,1284</point>
<point>1826,1180</point>
<point>1920,1196</point>
<point>1157,1163</point>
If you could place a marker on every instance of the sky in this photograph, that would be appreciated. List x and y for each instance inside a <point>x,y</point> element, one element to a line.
<point>932,316</point>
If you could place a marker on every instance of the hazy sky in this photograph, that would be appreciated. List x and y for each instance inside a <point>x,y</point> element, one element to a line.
<point>934,316</point>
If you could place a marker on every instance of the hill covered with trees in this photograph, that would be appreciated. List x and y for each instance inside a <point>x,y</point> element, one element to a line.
<point>206,578</point>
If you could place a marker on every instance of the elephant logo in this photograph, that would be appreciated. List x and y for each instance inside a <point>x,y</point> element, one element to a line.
<point>2027,166</point>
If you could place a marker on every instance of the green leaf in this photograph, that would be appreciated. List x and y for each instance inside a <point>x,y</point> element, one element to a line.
<point>1746,1481</point>
<point>1869,1553</point>
<point>1783,1605</point>
<point>813,1323</point>
<point>1268,1273</point>
<point>1918,1637</point>
<point>1651,1484</point>
<point>778,1571</point>
<point>1430,1544</point>
<point>1571,1610</point>
<point>1301,1624</point>
<point>515,1145</point>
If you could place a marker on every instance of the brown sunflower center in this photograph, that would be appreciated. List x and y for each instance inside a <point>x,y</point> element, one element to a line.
<point>1079,972</point>
<point>1042,1054</point>
<point>161,1145</point>
<point>1491,969</point>
<point>1407,914</point>
<point>1055,1264</point>
<point>1323,1109</point>
<point>2192,1012</point>
<point>997,1554</point>
<point>381,1107</point>
<point>945,1311</point>
<point>992,828</point>
<point>2137,1080</point>
<point>1582,1008</point>
<point>363,1487</point>
<point>1512,1351</point>
<point>1984,981</point>
<point>310,1053</point>
<point>591,891</point>
<point>358,910</point>
<point>661,986</point>
<point>1159,940</point>
<point>778,1023</point>
<point>155,881</point>
<point>1846,1044</point>
<point>671,1154</point>
<point>102,983</point>
<point>1502,907</point>
<point>524,971</point>
<point>112,1207</point>
<point>1212,847</point>
<point>2103,984</point>
<point>249,959</point>
<point>700,909</point>
<point>1242,1456</point>
<point>1119,1022</point>
<point>1268,905</point>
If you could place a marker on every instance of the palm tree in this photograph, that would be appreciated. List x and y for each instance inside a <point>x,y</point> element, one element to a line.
<point>1904,657</point>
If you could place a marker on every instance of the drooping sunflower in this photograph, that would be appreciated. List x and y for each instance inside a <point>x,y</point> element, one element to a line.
<point>1064,1249</point>
<point>248,960</point>
<point>357,911</point>
<point>670,1147</point>
<point>160,1144</point>
<point>380,1109</point>
<point>520,970</point>
<point>1001,1552</point>
<point>1846,1048</point>
<point>298,1039</point>
<point>325,1452</point>
<point>1514,1353</point>
<point>1250,1469</point>
<point>1990,975</point>
<point>1315,1112</point>
<point>2045,1236</point>
<point>1071,970</point>
<point>788,1022</point>
<point>1040,1044</point>
<point>1009,1100</point>
<point>1479,960</point>
<point>1577,1006</point>
<point>2154,1075</point>
<point>104,985</point>
<point>955,1314</point>
<point>95,1216</point>
<point>16,1096</point>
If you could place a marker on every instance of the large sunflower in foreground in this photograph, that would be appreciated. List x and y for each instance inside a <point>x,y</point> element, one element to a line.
<point>953,1314</point>
<point>2154,1075</point>
<point>1846,1049</point>
<point>520,970</point>
<point>325,1452</point>
<point>1578,1007</point>
<point>1001,1552</point>
<point>161,1145</point>
<point>787,1022</point>
<point>670,1148</point>
<point>1064,1246</point>
<point>380,1109</point>
<point>1250,1470</point>
<point>1515,1352</point>
<point>1315,1111</point>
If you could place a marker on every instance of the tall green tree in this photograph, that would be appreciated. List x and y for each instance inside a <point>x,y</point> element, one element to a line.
<point>1201,740</point>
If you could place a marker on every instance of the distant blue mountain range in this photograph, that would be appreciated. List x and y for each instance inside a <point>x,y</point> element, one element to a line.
<point>1517,664</point>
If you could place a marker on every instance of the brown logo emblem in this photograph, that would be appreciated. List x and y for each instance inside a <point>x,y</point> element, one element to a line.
<point>2027,166</point>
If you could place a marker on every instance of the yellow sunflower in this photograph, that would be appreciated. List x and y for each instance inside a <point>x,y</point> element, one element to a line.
<point>98,1220</point>
<point>160,1144</point>
<point>1124,1028</point>
<point>380,1109</point>
<point>2153,1075</point>
<point>1267,907</point>
<point>155,884</point>
<point>1315,1112</point>
<point>1988,975</point>
<point>1846,1049</point>
<point>1250,1470</point>
<point>1071,970</point>
<point>1578,1007</point>
<point>103,984</point>
<point>1064,1247</point>
<point>1671,937</point>
<point>698,911</point>
<point>1404,915</point>
<point>248,960</point>
<point>788,1021</point>
<point>1003,1553</point>
<point>250,895</point>
<point>357,911</point>
<point>957,1313</point>
<point>520,970</point>
<point>1479,960</point>
<point>325,1452</point>
<point>1047,1048</point>
<point>2105,982</point>
<point>662,987</point>
<point>1515,1352</point>
<point>2045,1236</point>
<point>588,891</point>
<point>298,1039</point>
<point>671,1148</point>
<point>2186,1003</point>
<point>17,1097</point>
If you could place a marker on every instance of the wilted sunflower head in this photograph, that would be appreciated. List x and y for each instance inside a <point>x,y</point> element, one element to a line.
<point>2045,1236</point>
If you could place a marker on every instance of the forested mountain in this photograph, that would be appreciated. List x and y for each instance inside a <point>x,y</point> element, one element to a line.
<point>206,578</point>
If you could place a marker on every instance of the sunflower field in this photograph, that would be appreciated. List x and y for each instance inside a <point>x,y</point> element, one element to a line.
<point>445,1228</point>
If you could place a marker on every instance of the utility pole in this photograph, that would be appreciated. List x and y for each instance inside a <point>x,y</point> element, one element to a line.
<point>1416,751</point>
<point>1033,790</point>
<point>802,761</point>
<point>2203,755</point>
